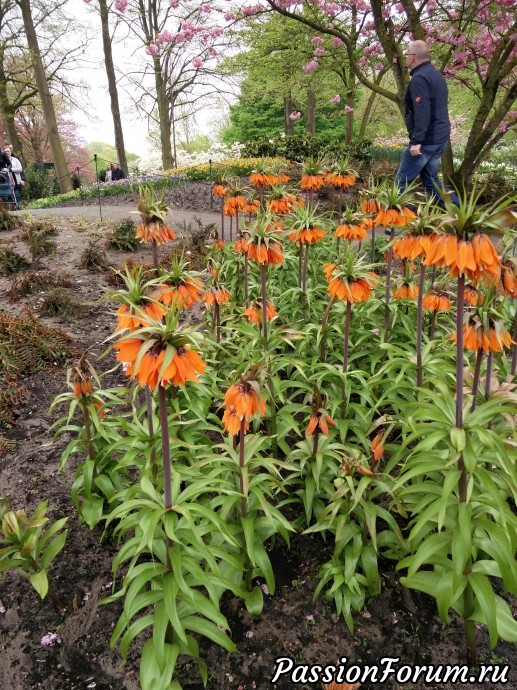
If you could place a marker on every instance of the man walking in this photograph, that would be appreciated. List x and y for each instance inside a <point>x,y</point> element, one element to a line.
<point>427,122</point>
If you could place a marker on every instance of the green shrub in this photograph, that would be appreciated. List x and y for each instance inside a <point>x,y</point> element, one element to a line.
<point>301,146</point>
<point>94,257</point>
<point>39,184</point>
<point>123,236</point>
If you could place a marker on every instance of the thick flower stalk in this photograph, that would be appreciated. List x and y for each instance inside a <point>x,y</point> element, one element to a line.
<point>235,203</point>
<point>220,189</point>
<point>241,247</point>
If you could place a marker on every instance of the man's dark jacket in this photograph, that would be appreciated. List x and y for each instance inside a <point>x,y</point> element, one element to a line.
<point>425,103</point>
<point>118,174</point>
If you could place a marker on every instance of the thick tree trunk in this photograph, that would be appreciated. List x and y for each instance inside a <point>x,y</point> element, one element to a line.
<point>311,113</point>
<point>112,86</point>
<point>288,123</point>
<point>49,113</point>
<point>164,116</point>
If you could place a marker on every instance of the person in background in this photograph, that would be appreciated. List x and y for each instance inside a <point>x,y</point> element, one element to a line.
<point>109,171</point>
<point>5,158</point>
<point>18,174</point>
<point>117,172</point>
<point>427,122</point>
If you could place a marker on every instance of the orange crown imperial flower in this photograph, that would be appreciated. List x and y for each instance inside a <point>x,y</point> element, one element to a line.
<point>241,245</point>
<point>262,253</point>
<point>183,295</point>
<point>320,419</point>
<point>406,291</point>
<point>219,190</point>
<point>216,295</point>
<point>476,258</point>
<point>377,447</point>
<point>312,182</point>
<point>351,231</point>
<point>472,296</point>
<point>491,339</point>
<point>509,278</point>
<point>156,363</point>
<point>412,246</point>
<point>436,301</point>
<point>242,400</point>
<point>155,231</point>
<point>394,217</point>
<point>260,179</point>
<point>254,312</point>
<point>82,385</point>
<point>307,236</point>
<point>133,317</point>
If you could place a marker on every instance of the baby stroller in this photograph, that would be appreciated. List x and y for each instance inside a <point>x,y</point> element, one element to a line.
<point>7,196</point>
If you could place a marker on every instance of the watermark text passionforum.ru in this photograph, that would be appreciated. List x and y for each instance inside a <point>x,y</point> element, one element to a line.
<point>387,669</point>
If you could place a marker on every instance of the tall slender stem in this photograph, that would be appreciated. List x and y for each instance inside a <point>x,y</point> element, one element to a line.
<point>513,368</point>
<point>217,318</point>
<point>242,436</point>
<point>323,328</point>
<point>432,330</point>
<point>166,449</point>
<point>347,333</point>
<point>246,298</point>
<point>155,253</point>
<point>149,407</point>
<point>419,365</point>
<point>222,217</point>
<point>373,244</point>
<point>231,228</point>
<point>388,287</point>
<point>300,264</point>
<point>475,383</point>
<point>87,431</point>
<point>264,300</point>
<point>305,267</point>
<point>488,380</point>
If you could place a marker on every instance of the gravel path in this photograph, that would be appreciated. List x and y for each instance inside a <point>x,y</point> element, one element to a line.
<point>177,216</point>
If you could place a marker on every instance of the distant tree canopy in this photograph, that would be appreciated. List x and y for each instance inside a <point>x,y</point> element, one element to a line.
<point>107,153</point>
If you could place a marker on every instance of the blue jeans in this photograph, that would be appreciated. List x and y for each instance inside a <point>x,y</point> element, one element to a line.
<point>426,165</point>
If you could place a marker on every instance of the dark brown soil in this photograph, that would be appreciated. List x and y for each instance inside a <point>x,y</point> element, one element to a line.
<point>398,623</point>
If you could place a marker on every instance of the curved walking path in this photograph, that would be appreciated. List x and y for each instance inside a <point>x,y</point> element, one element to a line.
<point>177,216</point>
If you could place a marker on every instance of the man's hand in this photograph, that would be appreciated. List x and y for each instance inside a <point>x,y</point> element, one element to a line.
<point>414,150</point>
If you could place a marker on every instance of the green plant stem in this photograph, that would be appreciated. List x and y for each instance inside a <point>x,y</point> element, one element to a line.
<point>468,594</point>
<point>305,267</point>
<point>264,300</point>
<point>155,253</point>
<point>56,602</point>
<point>419,366</point>
<point>246,297</point>
<point>300,264</point>
<point>231,228</point>
<point>488,379</point>
<point>475,383</point>
<point>433,325</point>
<point>222,217</point>
<point>388,288</point>
<point>242,436</point>
<point>88,432</point>
<point>167,472</point>
<point>373,244</point>
<point>513,368</point>
<point>148,404</point>
<point>315,441</point>
<point>324,321</point>
<point>217,319</point>
<point>347,333</point>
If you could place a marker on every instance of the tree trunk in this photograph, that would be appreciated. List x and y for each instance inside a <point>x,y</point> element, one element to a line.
<point>288,123</point>
<point>311,113</point>
<point>164,116</point>
<point>112,87</point>
<point>65,183</point>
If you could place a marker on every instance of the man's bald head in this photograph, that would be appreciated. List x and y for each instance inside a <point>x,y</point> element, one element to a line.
<point>420,50</point>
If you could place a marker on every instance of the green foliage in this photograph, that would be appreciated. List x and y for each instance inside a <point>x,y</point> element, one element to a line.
<point>28,548</point>
<point>123,236</point>
<point>107,153</point>
<point>39,184</point>
<point>300,147</point>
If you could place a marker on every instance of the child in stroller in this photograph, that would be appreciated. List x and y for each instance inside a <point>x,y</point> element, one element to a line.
<point>7,195</point>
